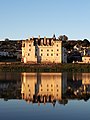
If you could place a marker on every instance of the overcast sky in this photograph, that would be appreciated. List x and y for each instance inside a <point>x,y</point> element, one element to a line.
<point>20,19</point>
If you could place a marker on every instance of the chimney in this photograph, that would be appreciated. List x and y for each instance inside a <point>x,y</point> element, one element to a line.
<point>32,37</point>
<point>44,40</point>
<point>47,42</point>
<point>52,42</point>
<point>41,42</point>
<point>39,37</point>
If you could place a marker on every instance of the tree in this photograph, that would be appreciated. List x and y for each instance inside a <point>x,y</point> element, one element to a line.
<point>85,43</point>
<point>79,42</point>
<point>6,39</point>
<point>63,38</point>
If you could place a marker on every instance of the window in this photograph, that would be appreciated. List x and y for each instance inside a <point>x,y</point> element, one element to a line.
<point>28,54</point>
<point>51,89</point>
<point>47,54</point>
<point>57,90</point>
<point>47,50</point>
<point>29,45</point>
<point>52,50</point>
<point>56,54</point>
<point>51,85</point>
<point>57,49</point>
<point>42,50</point>
<point>57,45</point>
<point>41,89</point>
<point>51,54</point>
<point>47,89</point>
<point>47,85</point>
<point>41,54</point>
<point>29,49</point>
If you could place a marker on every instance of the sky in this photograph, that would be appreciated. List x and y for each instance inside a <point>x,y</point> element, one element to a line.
<point>22,19</point>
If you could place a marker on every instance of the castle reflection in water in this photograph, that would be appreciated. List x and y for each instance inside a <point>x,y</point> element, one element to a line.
<point>45,87</point>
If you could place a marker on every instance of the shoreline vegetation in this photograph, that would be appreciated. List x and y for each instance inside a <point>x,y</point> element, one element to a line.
<point>65,67</point>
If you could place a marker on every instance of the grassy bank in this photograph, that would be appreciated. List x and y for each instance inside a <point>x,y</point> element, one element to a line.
<point>20,67</point>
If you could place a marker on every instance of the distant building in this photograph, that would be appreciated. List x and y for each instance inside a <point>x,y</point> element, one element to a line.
<point>43,50</point>
<point>86,59</point>
<point>18,54</point>
<point>2,53</point>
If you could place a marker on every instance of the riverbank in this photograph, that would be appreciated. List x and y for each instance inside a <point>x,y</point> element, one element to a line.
<point>21,67</point>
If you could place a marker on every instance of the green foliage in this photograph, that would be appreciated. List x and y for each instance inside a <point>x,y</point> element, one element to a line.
<point>63,38</point>
<point>20,67</point>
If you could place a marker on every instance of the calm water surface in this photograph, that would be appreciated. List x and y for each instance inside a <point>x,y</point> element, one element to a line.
<point>44,96</point>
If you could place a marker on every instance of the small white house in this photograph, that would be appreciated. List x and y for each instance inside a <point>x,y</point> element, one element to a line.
<point>86,59</point>
<point>2,53</point>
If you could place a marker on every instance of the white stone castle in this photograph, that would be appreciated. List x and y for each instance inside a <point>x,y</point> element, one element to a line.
<point>43,50</point>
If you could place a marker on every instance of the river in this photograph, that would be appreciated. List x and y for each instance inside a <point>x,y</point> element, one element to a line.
<point>44,96</point>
